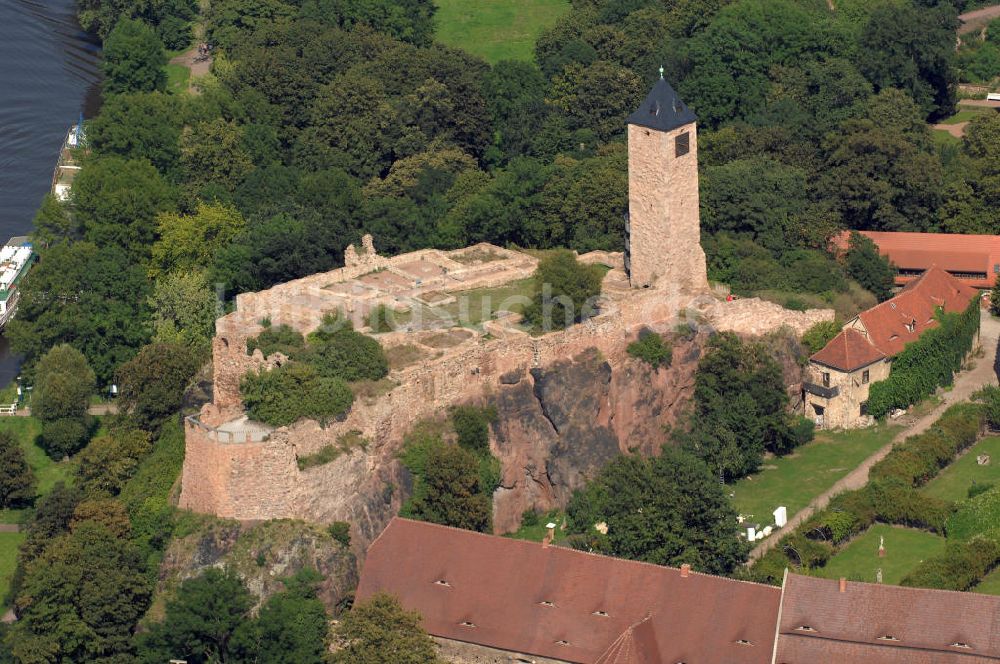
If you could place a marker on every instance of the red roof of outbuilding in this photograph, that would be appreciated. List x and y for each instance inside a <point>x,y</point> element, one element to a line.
<point>848,351</point>
<point>951,252</point>
<point>902,319</point>
<point>882,624</point>
<point>568,605</point>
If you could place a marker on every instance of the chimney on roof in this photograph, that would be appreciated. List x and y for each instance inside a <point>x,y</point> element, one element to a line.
<point>685,570</point>
<point>550,534</point>
<point>843,585</point>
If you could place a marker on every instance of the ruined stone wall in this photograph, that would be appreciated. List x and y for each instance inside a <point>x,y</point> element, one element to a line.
<point>664,226</point>
<point>627,404</point>
<point>458,652</point>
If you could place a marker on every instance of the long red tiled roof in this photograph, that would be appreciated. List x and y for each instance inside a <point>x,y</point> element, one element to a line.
<point>902,319</point>
<point>882,624</point>
<point>951,252</point>
<point>848,351</point>
<point>567,605</point>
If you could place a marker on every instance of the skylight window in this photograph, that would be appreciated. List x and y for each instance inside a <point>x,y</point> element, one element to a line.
<point>603,614</point>
<point>547,603</point>
<point>442,582</point>
<point>466,623</point>
<point>887,637</point>
<point>804,628</point>
<point>562,642</point>
<point>744,642</point>
<point>959,644</point>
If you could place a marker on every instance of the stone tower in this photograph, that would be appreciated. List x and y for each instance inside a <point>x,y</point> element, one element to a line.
<point>663,236</point>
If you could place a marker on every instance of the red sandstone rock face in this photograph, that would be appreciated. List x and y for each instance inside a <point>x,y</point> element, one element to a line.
<point>560,425</point>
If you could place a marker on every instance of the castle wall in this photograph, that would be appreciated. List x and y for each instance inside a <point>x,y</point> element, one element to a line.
<point>261,480</point>
<point>664,226</point>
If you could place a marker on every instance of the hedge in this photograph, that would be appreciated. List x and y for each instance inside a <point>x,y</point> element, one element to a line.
<point>890,497</point>
<point>928,363</point>
<point>960,567</point>
<point>976,516</point>
<point>922,457</point>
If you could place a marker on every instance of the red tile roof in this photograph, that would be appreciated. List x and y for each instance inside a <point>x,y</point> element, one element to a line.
<point>902,319</point>
<point>951,252</point>
<point>568,605</point>
<point>848,351</point>
<point>821,625</point>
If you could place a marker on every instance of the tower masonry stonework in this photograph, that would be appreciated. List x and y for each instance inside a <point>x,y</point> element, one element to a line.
<point>663,245</point>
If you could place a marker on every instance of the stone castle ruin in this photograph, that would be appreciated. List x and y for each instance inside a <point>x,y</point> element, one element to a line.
<point>451,345</point>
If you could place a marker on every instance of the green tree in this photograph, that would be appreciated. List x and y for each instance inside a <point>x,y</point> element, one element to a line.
<point>190,241</point>
<point>409,20</point>
<point>109,461</point>
<point>17,480</point>
<point>93,299</point>
<point>472,426</point>
<point>565,291</point>
<point>912,48</point>
<point>336,350</point>
<point>64,383</point>
<point>651,349</point>
<point>184,310</point>
<point>450,491</point>
<point>819,335</point>
<point>81,599</point>
<point>214,153</point>
<point>292,625</point>
<point>869,267</point>
<point>133,59</point>
<point>380,630</point>
<point>597,97</point>
<point>667,510</point>
<point>293,391</point>
<point>53,223</point>
<point>202,623</point>
<point>740,408</point>
<point>117,202</point>
<point>139,126</point>
<point>151,384</point>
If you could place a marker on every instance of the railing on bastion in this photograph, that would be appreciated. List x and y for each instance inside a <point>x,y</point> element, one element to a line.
<point>237,435</point>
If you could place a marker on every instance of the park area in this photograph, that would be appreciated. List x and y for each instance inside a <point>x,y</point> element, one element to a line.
<point>905,548</point>
<point>496,29</point>
<point>954,481</point>
<point>794,480</point>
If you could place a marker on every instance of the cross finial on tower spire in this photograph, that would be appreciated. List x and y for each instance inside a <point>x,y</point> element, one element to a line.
<point>661,71</point>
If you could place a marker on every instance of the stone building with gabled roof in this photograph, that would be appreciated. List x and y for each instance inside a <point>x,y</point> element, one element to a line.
<point>841,373</point>
<point>495,600</point>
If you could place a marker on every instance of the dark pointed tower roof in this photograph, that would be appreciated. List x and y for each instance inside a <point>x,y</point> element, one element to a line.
<point>663,110</point>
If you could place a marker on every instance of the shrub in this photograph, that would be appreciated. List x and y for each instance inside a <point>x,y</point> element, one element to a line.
<point>960,567</point>
<point>928,363</point>
<point>330,453</point>
<point>472,426</point>
<point>293,391</point>
<point>976,516</point>
<point>341,531</point>
<point>107,463</point>
<point>819,335</point>
<point>336,350</point>
<point>152,383</point>
<point>649,348</point>
<point>281,339</point>
<point>834,526</point>
<point>565,291</point>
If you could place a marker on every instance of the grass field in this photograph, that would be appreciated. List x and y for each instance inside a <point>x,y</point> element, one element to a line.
<point>990,585</point>
<point>905,548</point>
<point>954,481</point>
<point>794,480</point>
<point>8,561</point>
<point>177,78</point>
<point>472,307</point>
<point>943,138</point>
<point>967,114</point>
<point>496,29</point>
<point>536,533</point>
<point>47,471</point>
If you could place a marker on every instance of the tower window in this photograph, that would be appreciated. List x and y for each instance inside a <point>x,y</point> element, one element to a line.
<point>682,144</point>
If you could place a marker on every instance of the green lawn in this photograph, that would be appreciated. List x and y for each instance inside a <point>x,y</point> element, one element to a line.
<point>905,548</point>
<point>967,115</point>
<point>177,78</point>
<point>794,480</point>
<point>536,532</point>
<point>954,481</point>
<point>472,307</point>
<point>943,138</point>
<point>990,585</point>
<point>47,471</point>
<point>8,561</point>
<point>496,29</point>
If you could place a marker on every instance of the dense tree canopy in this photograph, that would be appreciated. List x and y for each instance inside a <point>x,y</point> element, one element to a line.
<point>133,59</point>
<point>380,630</point>
<point>666,510</point>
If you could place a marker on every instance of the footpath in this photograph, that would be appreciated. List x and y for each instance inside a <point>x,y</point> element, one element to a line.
<point>983,373</point>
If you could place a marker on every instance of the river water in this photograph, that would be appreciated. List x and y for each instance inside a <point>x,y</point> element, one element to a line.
<point>49,74</point>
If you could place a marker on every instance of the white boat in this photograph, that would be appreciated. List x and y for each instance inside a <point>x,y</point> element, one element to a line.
<point>16,258</point>
<point>67,166</point>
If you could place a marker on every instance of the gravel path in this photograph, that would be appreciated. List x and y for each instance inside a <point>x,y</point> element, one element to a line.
<point>977,20</point>
<point>967,382</point>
